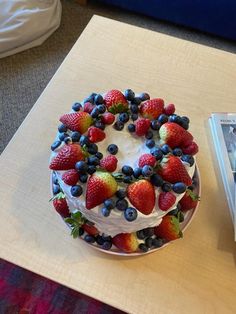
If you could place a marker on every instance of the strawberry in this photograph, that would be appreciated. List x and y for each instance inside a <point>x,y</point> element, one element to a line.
<point>126,242</point>
<point>96,135</point>
<point>141,126</point>
<point>169,228</point>
<point>166,200</point>
<point>191,149</point>
<point>88,107</point>
<point>77,121</point>
<point>169,109</point>
<point>146,159</point>
<point>142,196</point>
<point>67,157</point>
<point>152,108</point>
<point>60,205</point>
<point>109,163</point>
<point>70,177</point>
<point>189,200</point>
<point>172,170</point>
<point>115,101</point>
<point>107,118</point>
<point>101,186</point>
<point>174,135</point>
<point>92,230</point>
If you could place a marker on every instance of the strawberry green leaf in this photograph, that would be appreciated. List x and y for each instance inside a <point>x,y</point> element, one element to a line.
<point>57,196</point>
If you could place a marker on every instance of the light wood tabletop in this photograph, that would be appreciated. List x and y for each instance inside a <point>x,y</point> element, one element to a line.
<point>196,274</point>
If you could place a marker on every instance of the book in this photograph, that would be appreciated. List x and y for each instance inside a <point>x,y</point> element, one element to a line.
<point>223,130</point>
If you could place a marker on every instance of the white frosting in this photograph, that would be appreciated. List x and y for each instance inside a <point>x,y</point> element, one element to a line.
<point>130,149</point>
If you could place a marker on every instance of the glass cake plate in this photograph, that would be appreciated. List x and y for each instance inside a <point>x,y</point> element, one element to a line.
<point>188,216</point>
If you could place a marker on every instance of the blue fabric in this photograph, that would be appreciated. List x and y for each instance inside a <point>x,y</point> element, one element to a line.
<point>217,17</point>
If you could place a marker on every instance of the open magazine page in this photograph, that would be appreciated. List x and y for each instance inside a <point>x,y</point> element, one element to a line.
<point>223,129</point>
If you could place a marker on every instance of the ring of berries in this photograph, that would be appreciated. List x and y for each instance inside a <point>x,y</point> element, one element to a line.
<point>131,191</point>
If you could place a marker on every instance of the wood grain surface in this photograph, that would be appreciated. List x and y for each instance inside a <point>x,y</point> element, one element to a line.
<point>193,275</point>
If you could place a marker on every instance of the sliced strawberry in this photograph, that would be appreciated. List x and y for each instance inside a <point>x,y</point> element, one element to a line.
<point>92,230</point>
<point>96,135</point>
<point>169,228</point>
<point>166,200</point>
<point>126,242</point>
<point>70,177</point>
<point>109,163</point>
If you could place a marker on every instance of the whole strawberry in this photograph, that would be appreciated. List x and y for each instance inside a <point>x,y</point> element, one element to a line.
<point>189,200</point>
<point>126,242</point>
<point>107,118</point>
<point>70,177</point>
<point>190,149</point>
<point>142,196</point>
<point>60,205</point>
<point>169,228</point>
<point>141,126</point>
<point>92,230</point>
<point>77,121</point>
<point>115,101</point>
<point>152,109</point>
<point>109,163</point>
<point>101,186</point>
<point>169,109</point>
<point>67,157</point>
<point>174,135</point>
<point>146,159</point>
<point>96,135</point>
<point>166,200</point>
<point>172,170</point>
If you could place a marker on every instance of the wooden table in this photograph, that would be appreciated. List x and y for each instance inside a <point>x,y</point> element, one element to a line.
<point>194,275</point>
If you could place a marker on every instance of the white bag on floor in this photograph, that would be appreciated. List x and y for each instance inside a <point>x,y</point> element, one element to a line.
<point>26,23</point>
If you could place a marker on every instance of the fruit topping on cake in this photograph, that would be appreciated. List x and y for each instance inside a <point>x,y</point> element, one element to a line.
<point>115,101</point>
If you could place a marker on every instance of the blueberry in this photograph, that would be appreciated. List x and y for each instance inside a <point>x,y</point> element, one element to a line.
<point>62,136</point>
<point>157,153</point>
<point>92,149</point>
<point>177,152</point>
<point>189,159</point>
<point>134,108</point>
<point>137,172</point>
<point>83,178</point>
<point>134,116</point>
<point>179,187</point>
<point>127,179</point>
<point>166,187</point>
<point>99,240</point>
<point>140,234</point>
<point>148,242</point>
<point>84,140</point>
<point>118,125</point>
<point>98,99</point>
<point>130,214</point>
<point>123,117</point>
<point>76,190</point>
<point>121,193</point>
<point>147,171</point>
<point>91,169</point>
<point>131,128</point>
<point>56,189</point>
<point>93,160</point>
<point>55,145</point>
<point>122,204</point>
<point>150,143</point>
<point>75,136</point>
<point>101,108</point>
<point>89,238</point>
<point>109,203</point>
<point>186,119</point>
<point>81,166</point>
<point>143,247</point>
<point>157,242</point>
<point>105,211</point>
<point>148,232</point>
<point>155,125</point>
<point>62,128</point>
<point>99,124</point>
<point>90,98</point>
<point>163,118</point>
<point>106,245</point>
<point>175,118</point>
<point>185,125</point>
<point>95,113</point>
<point>136,101</point>
<point>99,155</point>
<point>127,170</point>
<point>144,96</point>
<point>112,149</point>
<point>165,149</point>
<point>106,237</point>
<point>76,106</point>
<point>149,135</point>
<point>156,180</point>
<point>129,94</point>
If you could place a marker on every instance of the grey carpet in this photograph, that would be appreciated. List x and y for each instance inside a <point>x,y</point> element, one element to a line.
<point>24,76</point>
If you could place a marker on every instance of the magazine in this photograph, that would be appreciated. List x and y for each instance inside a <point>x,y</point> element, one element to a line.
<point>223,130</point>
